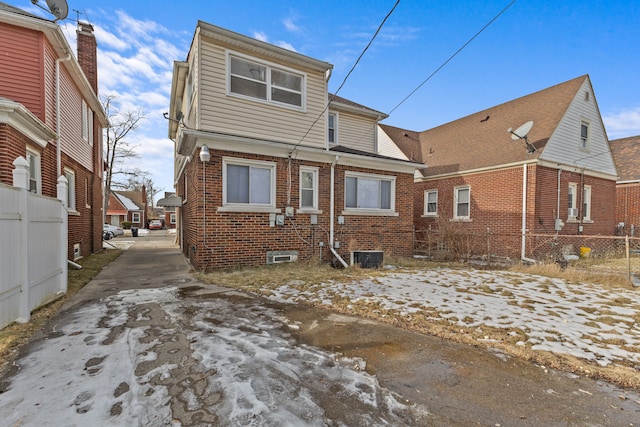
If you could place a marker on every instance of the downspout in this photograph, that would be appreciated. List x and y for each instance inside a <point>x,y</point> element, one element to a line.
<point>523,253</point>
<point>58,133</point>
<point>558,202</point>
<point>332,214</point>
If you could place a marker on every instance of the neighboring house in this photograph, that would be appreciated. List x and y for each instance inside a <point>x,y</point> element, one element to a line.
<point>129,206</point>
<point>168,213</point>
<point>626,152</point>
<point>57,134</point>
<point>266,172</point>
<point>475,173</point>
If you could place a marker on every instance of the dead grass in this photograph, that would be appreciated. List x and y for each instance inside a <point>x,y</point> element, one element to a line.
<point>306,275</point>
<point>608,275</point>
<point>16,335</point>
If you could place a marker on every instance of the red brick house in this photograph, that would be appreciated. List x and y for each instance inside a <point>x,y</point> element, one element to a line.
<point>130,206</point>
<point>482,178</point>
<point>57,134</point>
<point>267,173</point>
<point>626,152</point>
<point>169,203</point>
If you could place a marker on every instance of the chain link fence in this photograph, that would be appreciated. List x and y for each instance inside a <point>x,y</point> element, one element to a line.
<point>618,255</point>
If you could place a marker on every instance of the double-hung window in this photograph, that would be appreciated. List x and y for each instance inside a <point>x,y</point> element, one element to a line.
<point>371,192</point>
<point>135,217</point>
<point>254,79</point>
<point>35,183</point>
<point>462,202</point>
<point>308,188</point>
<point>87,123</point>
<point>431,203</point>
<point>584,135</point>
<point>332,128</point>
<point>572,201</point>
<point>71,190</point>
<point>586,203</point>
<point>248,183</point>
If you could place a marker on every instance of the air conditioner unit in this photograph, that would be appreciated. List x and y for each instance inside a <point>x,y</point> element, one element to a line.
<point>367,259</point>
<point>573,212</point>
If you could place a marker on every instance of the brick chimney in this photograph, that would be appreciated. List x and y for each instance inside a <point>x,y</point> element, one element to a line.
<point>87,53</point>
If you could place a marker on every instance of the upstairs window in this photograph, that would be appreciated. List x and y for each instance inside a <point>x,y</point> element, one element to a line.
<point>253,79</point>
<point>332,128</point>
<point>584,135</point>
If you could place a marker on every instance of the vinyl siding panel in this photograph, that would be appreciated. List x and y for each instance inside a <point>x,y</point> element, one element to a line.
<point>564,145</point>
<point>220,112</point>
<point>357,132</point>
<point>387,147</point>
<point>21,67</point>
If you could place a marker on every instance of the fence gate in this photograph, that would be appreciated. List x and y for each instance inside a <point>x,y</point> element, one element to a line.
<point>33,247</point>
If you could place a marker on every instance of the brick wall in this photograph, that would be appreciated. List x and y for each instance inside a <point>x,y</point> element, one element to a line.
<point>496,203</point>
<point>222,239</point>
<point>84,226</point>
<point>628,207</point>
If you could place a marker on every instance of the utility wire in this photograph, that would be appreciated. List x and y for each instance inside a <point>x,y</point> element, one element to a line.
<point>348,74</point>
<point>451,57</point>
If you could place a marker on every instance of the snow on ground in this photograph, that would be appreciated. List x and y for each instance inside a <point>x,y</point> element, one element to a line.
<point>583,320</point>
<point>150,356</point>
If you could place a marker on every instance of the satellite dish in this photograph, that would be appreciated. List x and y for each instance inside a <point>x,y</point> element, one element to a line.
<point>59,8</point>
<point>521,133</point>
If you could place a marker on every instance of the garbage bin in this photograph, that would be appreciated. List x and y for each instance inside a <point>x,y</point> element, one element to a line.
<point>134,231</point>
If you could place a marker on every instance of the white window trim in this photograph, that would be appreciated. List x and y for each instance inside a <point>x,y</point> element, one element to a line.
<point>85,121</point>
<point>70,175</point>
<point>133,217</point>
<point>37,176</point>
<point>572,188</point>
<point>586,200</point>
<point>455,203</point>
<point>426,203</point>
<point>316,174</point>
<point>172,218</point>
<point>335,128</point>
<point>269,66</point>
<point>587,145</point>
<point>248,207</point>
<point>369,211</point>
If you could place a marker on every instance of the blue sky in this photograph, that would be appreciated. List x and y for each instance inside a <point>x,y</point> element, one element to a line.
<point>533,45</point>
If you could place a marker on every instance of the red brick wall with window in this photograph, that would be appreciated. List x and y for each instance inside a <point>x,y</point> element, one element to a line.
<point>215,239</point>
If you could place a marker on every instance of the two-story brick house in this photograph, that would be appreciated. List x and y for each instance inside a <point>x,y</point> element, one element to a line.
<point>269,170</point>
<point>482,178</point>
<point>50,115</point>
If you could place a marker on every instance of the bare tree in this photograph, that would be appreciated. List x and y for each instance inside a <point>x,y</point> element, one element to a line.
<point>121,123</point>
<point>137,182</point>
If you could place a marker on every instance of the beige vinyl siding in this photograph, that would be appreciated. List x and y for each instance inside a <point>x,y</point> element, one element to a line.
<point>387,147</point>
<point>220,112</point>
<point>564,145</point>
<point>357,132</point>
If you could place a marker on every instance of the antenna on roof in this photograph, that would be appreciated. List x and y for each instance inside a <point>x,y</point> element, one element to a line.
<point>521,133</point>
<point>58,8</point>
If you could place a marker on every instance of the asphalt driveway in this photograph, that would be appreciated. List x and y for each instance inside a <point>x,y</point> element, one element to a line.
<point>146,344</point>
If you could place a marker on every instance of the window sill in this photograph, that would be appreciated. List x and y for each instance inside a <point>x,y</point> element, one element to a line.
<point>461,220</point>
<point>248,208</point>
<point>369,212</point>
<point>572,220</point>
<point>431,216</point>
<point>309,211</point>
<point>587,221</point>
<point>73,212</point>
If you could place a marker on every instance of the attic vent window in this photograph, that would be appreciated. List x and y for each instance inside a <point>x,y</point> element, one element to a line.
<point>586,96</point>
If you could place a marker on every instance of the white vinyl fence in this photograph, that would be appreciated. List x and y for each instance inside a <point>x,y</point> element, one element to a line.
<point>33,247</point>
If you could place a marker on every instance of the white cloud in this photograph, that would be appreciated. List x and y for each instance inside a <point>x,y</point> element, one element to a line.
<point>259,35</point>
<point>286,45</point>
<point>290,25</point>
<point>622,124</point>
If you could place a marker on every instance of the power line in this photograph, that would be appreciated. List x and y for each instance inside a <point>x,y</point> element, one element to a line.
<point>348,74</point>
<point>451,57</point>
